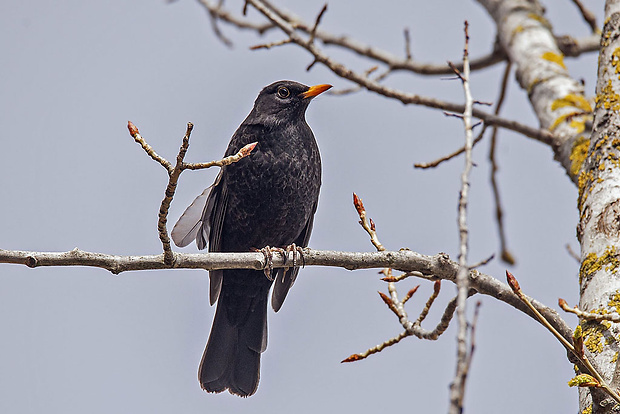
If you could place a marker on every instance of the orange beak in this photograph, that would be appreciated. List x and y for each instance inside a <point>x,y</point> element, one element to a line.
<point>315,90</point>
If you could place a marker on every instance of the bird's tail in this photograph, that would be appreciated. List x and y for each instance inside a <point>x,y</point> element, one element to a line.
<point>238,337</point>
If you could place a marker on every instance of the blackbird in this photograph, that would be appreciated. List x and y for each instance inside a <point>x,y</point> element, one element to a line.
<point>266,199</point>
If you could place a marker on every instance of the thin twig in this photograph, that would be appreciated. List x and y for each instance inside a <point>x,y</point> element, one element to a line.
<point>317,22</point>
<point>270,45</point>
<point>407,44</point>
<point>457,387</point>
<point>243,152</point>
<point>396,305</point>
<point>429,302</point>
<point>506,256</point>
<point>572,253</point>
<point>448,157</point>
<point>588,16</point>
<point>173,178</point>
<point>578,353</point>
<point>133,131</point>
<point>406,98</point>
<point>472,333</point>
<point>598,317</point>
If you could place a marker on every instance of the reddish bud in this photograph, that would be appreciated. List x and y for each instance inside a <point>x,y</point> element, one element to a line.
<point>245,151</point>
<point>437,287</point>
<point>512,281</point>
<point>372,225</point>
<point>389,279</point>
<point>359,206</point>
<point>133,130</point>
<point>352,358</point>
<point>386,299</point>
<point>413,291</point>
<point>562,303</point>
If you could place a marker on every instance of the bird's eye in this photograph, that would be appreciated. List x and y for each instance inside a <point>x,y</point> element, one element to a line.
<point>283,92</point>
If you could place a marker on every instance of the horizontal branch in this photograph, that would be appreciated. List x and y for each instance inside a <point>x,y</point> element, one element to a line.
<point>437,267</point>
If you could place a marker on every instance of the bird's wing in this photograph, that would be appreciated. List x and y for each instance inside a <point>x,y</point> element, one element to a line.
<point>286,277</point>
<point>187,227</point>
<point>202,221</point>
<point>214,217</point>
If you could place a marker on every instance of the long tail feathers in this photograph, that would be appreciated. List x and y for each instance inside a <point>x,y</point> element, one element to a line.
<point>232,357</point>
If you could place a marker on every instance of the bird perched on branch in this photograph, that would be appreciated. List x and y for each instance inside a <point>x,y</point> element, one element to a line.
<point>266,199</point>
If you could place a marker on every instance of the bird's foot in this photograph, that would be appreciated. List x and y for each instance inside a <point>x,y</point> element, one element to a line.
<point>296,251</point>
<point>268,253</point>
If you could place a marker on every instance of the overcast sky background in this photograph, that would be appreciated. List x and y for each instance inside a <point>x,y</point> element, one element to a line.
<point>80,340</point>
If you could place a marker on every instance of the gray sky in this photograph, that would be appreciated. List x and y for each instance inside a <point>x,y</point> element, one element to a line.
<point>79,340</point>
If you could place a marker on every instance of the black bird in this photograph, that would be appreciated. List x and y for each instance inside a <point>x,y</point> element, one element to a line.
<point>266,199</point>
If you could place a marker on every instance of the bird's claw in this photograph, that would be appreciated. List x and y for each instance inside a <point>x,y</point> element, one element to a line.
<point>296,251</point>
<point>268,253</point>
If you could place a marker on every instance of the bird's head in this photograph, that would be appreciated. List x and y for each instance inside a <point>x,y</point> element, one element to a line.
<point>284,101</point>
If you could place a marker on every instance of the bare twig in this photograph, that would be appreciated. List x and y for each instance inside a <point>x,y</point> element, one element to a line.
<point>392,301</point>
<point>213,18</point>
<point>408,55</point>
<point>270,45</point>
<point>317,22</point>
<point>243,152</point>
<point>588,16</point>
<point>579,353</point>
<point>429,302</point>
<point>506,256</point>
<point>590,316</point>
<point>133,131</point>
<point>173,178</point>
<point>457,388</point>
<point>572,253</point>
<point>472,332</point>
<point>406,98</point>
<point>448,157</point>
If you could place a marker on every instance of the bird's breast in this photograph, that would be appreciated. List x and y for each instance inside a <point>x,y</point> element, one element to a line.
<point>271,195</point>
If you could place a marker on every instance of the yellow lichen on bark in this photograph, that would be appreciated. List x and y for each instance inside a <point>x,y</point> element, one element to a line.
<point>556,58</point>
<point>608,98</point>
<point>578,154</point>
<point>593,336</point>
<point>572,99</point>
<point>583,185</point>
<point>593,263</point>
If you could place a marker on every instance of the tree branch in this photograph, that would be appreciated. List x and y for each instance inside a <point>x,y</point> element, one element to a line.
<point>406,98</point>
<point>416,265</point>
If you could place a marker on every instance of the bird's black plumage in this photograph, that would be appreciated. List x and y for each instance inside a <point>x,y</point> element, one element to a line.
<point>266,199</point>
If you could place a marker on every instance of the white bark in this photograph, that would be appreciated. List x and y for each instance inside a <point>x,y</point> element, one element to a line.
<point>599,208</point>
<point>557,99</point>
